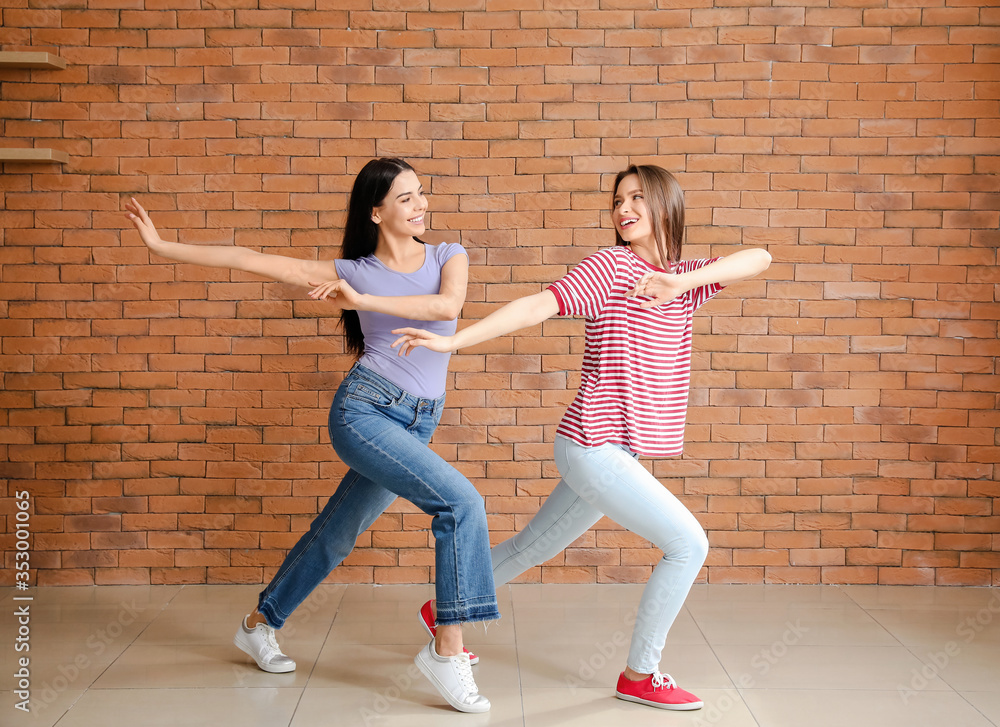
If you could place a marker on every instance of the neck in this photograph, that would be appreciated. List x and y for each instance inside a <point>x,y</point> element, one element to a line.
<point>648,251</point>
<point>395,249</point>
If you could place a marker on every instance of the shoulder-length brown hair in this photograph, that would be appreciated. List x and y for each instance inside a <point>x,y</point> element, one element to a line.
<point>665,202</point>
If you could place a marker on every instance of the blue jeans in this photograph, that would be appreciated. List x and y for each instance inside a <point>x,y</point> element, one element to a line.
<point>381,432</point>
<point>608,480</point>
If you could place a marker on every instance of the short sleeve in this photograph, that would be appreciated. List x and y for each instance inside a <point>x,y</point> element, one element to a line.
<point>585,289</point>
<point>446,251</point>
<point>700,295</point>
<point>345,269</point>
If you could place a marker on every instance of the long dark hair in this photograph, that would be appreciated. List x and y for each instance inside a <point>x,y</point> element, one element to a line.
<point>361,234</point>
<point>665,201</point>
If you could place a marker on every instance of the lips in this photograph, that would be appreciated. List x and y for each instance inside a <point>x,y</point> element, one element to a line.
<point>417,220</point>
<point>628,222</point>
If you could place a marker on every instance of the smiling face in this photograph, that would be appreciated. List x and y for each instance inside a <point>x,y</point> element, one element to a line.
<point>630,213</point>
<point>401,213</point>
<point>648,213</point>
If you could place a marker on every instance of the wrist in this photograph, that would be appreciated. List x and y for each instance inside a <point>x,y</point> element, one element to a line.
<point>364,302</point>
<point>688,281</point>
<point>157,247</point>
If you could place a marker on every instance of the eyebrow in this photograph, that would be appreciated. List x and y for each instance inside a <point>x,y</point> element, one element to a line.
<point>403,194</point>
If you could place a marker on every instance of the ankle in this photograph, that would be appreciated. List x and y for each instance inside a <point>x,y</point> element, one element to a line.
<point>255,617</point>
<point>633,676</point>
<point>448,640</point>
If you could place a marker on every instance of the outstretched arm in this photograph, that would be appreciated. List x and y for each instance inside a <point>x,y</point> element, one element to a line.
<point>663,287</point>
<point>276,267</point>
<point>521,313</point>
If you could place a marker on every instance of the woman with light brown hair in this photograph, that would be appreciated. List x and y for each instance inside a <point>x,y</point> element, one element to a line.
<point>638,299</point>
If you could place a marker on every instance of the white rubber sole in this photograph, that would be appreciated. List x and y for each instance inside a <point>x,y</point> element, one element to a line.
<point>673,707</point>
<point>426,670</point>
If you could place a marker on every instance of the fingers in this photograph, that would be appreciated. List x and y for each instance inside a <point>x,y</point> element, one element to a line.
<point>410,338</point>
<point>640,286</point>
<point>137,209</point>
<point>406,344</point>
<point>136,214</point>
<point>323,290</point>
<point>405,338</point>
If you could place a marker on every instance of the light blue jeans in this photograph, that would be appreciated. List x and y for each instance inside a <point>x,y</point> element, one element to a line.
<point>608,480</point>
<point>381,432</point>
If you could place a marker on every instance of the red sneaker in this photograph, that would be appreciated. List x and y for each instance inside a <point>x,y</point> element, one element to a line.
<point>657,690</point>
<point>428,622</point>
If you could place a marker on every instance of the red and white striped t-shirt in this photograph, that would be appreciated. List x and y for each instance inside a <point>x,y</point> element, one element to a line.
<point>637,363</point>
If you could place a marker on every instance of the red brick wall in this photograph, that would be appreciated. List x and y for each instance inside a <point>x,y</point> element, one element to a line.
<point>169,420</point>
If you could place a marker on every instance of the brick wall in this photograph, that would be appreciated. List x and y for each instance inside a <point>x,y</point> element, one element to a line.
<point>169,420</point>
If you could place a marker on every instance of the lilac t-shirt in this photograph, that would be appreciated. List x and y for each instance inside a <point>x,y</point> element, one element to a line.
<point>423,372</point>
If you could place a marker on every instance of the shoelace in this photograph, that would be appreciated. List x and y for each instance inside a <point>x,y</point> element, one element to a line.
<point>464,670</point>
<point>662,681</point>
<point>272,642</point>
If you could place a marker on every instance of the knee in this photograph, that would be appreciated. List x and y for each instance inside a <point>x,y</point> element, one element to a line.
<point>469,511</point>
<point>691,545</point>
<point>699,546</point>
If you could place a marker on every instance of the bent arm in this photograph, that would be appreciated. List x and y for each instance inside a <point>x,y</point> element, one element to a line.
<point>521,313</point>
<point>445,305</point>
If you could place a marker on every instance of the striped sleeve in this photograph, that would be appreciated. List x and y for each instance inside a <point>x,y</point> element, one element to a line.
<point>701,295</point>
<point>585,289</point>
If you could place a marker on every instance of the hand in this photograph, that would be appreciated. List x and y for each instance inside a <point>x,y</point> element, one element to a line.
<point>661,287</point>
<point>147,231</point>
<point>410,338</point>
<point>343,295</point>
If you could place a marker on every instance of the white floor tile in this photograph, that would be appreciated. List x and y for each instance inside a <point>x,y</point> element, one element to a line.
<point>836,708</point>
<point>760,656</point>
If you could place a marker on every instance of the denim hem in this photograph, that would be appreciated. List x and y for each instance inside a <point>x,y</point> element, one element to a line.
<point>468,611</point>
<point>270,614</point>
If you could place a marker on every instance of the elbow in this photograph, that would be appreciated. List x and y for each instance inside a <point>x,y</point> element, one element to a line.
<point>447,310</point>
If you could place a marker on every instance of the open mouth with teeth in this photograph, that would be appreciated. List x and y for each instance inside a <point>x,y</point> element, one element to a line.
<point>417,220</point>
<point>628,222</point>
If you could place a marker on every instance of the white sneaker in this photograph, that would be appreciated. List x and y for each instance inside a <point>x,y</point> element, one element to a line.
<point>261,645</point>
<point>452,676</point>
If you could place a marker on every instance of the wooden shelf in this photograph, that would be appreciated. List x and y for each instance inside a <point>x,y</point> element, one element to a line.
<point>33,155</point>
<point>30,59</point>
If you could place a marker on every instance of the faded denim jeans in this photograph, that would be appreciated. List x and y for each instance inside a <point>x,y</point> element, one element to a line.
<point>381,432</point>
<point>609,480</point>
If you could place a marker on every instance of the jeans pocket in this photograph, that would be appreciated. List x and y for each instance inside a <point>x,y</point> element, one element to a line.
<point>367,394</point>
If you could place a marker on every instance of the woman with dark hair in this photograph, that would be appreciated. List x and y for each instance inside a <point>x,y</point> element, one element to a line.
<point>639,300</point>
<point>382,416</point>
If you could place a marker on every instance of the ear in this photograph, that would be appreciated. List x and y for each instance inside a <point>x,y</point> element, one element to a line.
<point>376,217</point>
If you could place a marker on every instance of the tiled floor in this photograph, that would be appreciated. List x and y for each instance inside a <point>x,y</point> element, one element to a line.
<point>767,656</point>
